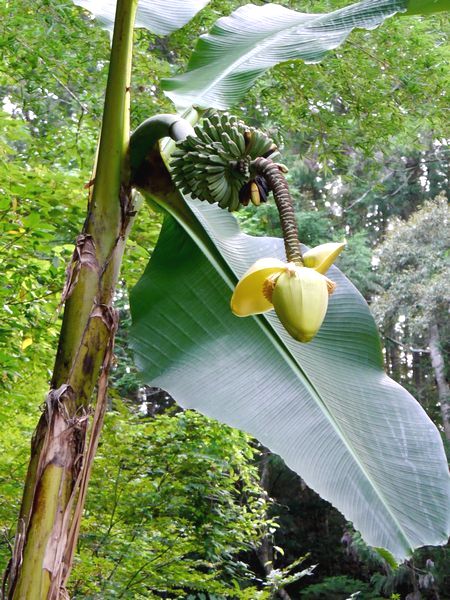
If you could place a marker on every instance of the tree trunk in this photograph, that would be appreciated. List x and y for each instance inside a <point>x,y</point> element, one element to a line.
<point>265,550</point>
<point>437,362</point>
<point>63,445</point>
<point>417,374</point>
<point>395,362</point>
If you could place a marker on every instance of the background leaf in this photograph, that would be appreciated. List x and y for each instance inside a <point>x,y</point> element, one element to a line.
<point>160,16</point>
<point>239,48</point>
<point>327,407</point>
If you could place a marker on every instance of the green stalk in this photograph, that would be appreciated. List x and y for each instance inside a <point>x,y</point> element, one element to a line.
<point>42,555</point>
<point>107,210</point>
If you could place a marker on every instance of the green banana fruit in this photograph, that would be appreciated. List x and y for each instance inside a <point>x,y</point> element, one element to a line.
<point>214,164</point>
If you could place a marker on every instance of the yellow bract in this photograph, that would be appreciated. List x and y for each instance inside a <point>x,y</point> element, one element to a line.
<point>248,298</point>
<point>322,257</point>
<point>298,293</point>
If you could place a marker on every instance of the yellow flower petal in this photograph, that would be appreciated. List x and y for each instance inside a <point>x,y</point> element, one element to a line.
<point>248,298</point>
<point>322,257</point>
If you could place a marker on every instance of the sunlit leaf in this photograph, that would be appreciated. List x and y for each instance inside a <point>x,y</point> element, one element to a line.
<point>426,7</point>
<point>26,342</point>
<point>241,47</point>
<point>159,16</point>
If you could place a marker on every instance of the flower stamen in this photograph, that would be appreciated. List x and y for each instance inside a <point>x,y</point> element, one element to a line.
<point>269,285</point>
<point>331,286</point>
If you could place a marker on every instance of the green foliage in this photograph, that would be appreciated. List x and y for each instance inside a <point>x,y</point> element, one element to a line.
<point>356,263</point>
<point>426,571</point>
<point>173,502</point>
<point>368,97</point>
<point>339,588</point>
<point>58,100</point>
<point>47,142</point>
<point>34,248</point>
<point>425,7</point>
<point>439,566</point>
<point>19,413</point>
<point>313,225</point>
<point>278,579</point>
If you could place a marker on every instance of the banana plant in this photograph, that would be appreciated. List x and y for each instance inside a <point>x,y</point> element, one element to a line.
<point>326,407</point>
<point>65,441</point>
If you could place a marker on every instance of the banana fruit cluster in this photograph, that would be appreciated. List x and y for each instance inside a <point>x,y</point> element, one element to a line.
<point>215,165</point>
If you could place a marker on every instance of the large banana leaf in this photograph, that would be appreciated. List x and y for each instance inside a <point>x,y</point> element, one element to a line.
<point>159,16</point>
<point>239,48</point>
<point>354,435</point>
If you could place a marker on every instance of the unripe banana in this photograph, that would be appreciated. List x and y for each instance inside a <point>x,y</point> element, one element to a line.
<point>211,130</point>
<point>238,139</point>
<point>230,146</point>
<point>214,164</point>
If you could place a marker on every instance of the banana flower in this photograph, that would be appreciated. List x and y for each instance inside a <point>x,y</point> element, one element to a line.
<point>298,293</point>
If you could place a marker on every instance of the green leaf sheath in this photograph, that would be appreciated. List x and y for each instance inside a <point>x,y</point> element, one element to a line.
<point>151,131</point>
<point>160,16</point>
<point>107,221</point>
<point>355,436</point>
<point>241,47</point>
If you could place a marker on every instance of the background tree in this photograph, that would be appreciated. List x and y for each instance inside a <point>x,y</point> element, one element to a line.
<point>414,272</point>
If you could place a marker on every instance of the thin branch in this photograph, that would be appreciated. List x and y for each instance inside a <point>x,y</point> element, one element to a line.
<point>114,508</point>
<point>361,198</point>
<point>400,187</point>
<point>55,77</point>
<point>407,347</point>
<point>146,563</point>
<point>8,245</point>
<point>383,63</point>
<point>84,110</point>
<point>34,299</point>
<point>133,537</point>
